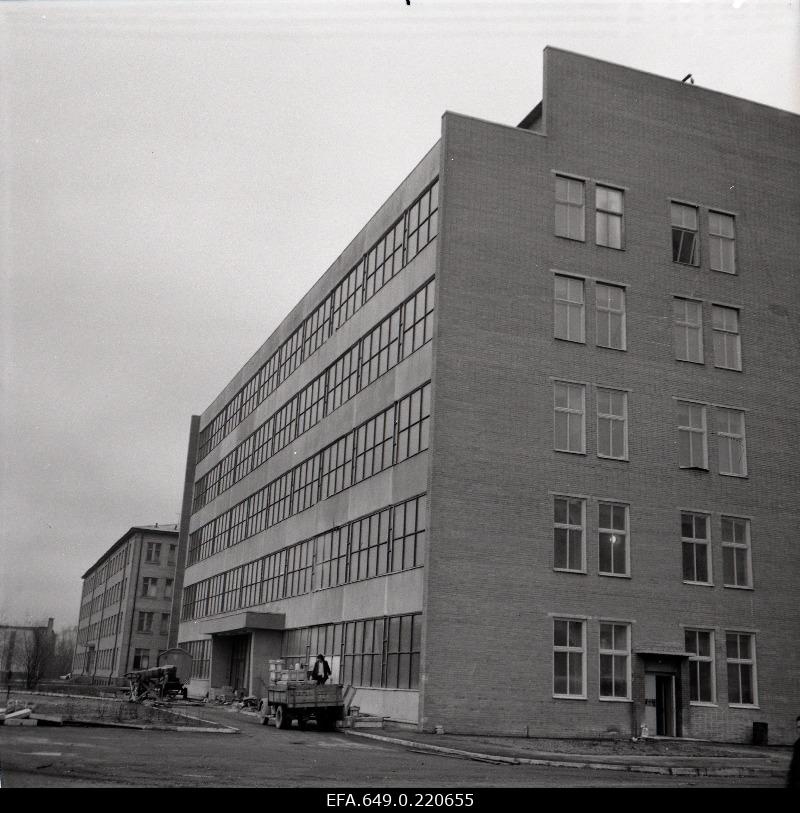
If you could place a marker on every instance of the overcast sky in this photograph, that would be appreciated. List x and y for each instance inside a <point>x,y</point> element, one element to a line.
<point>175,176</point>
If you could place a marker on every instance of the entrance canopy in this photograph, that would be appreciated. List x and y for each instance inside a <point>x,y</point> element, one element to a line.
<point>240,623</point>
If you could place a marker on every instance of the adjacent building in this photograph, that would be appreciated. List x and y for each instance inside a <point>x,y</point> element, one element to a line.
<point>522,461</point>
<point>126,604</point>
<point>26,653</point>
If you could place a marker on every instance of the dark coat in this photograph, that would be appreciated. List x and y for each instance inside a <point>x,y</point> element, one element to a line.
<point>321,670</point>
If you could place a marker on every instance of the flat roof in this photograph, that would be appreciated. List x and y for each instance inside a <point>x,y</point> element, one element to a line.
<point>168,529</point>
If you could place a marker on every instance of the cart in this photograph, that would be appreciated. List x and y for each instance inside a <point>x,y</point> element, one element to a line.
<point>303,701</point>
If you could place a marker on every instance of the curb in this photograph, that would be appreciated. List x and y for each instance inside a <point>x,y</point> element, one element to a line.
<point>77,722</point>
<point>665,770</point>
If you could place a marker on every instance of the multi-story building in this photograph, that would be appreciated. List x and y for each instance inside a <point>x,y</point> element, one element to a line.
<point>26,653</point>
<point>522,460</point>
<point>126,604</point>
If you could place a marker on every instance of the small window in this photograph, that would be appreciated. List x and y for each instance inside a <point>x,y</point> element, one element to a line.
<point>688,329</point>
<point>153,552</point>
<point>692,446</point>
<point>615,661</point>
<point>569,417</point>
<point>569,208</point>
<point>721,243</point>
<point>702,683</point>
<point>164,627</point>
<point>727,346</point>
<point>149,587</point>
<point>608,217</point>
<point>145,622</point>
<point>612,424</point>
<point>741,651</point>
<point>684,234</point>
<point>696,549</point>
<point>568,534</point>
<point>168,588</point>
<point>569,658</point>
<point>731,445</point>
<point>569,310</point>
<point>141,659</point>
<point>736,566</point>
<point>172,552</point>
<point>612,530</point>
<point>610,314</point>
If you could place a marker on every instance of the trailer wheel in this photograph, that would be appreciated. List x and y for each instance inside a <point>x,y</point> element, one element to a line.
<point>282,719</point>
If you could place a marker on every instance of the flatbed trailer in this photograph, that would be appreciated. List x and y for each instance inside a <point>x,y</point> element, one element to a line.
<point>303,701</point>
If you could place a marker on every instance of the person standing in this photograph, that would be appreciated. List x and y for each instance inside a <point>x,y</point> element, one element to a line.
<point>321,671</point>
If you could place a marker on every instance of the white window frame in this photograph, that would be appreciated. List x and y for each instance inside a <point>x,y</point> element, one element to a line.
<point>685,324</point>
<point>729,439</point>
<point>691,429</point>
<point>606,214</point>
<point>610,418</point>
<point>570,527</point>
<point>727,339</point>
<point>608,308</point>
<point>569,411</point>
<point>696,658</point>
<point>614,653</point>
<point>601,529</point>
<point>718,239</point>
<point>570,650</point>
<point>568,306</point>
<point>730,548</point>
<point>678,220</point>
<point>751,661</point>
<point>570,207</point>
<point>695,542</point>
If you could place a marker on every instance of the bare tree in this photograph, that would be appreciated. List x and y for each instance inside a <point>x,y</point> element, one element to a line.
<point>37,654</point>
<point>63,651</point>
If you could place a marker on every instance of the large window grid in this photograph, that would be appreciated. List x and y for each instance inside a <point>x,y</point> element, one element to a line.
<point>608,217</point>
<point>685,248</point>
<point>721,242</point>
<point>569,658</point>
<point>736,565</point>
<point>388,541</point>
<point>415,229</point>
<point>201,658</point>
<point>741,658</point>
<point>731,444</point>
<point>702,679</point>
<point>375,353</point>
<point>568,299</point>
<point>696,548</point>
<point>615,661</point>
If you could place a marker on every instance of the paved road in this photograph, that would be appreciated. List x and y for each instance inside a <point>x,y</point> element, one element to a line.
<point>265,757</point>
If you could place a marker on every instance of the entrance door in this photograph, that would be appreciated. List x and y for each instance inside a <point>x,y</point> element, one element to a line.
<point>665,705</point>
<point>238,674</point>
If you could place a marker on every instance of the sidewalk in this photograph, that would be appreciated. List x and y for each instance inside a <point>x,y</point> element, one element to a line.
<point>655,756</point>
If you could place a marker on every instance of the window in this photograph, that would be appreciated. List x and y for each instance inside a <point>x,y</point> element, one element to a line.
<point>610,307</point>
<point>569,653</point>
<point>612,424</point>
<point>608,218</point>
<point>403,646</point>
<point>700,643</point>
<point>692,447</point>
<point>568,305</point>
<point>568,534</point>
<point>696,552</point>
<point>145,622</point>
<point>721,242</point>
<point>684,234</point>
<point>153,552</point>
<point>569,406</point>
<point>569,208</point>
<point>149,587</point>
<point>688,330</point>
<point>736,566</point>
<point>164,627</point>
<point>727,345</point>
<point>168,588</point>
<point>612,529</point>
<point>615,661</point>
<point>171,557</point>
<point>741,656</point>
<point>141,658</point>
<point>731,442</point>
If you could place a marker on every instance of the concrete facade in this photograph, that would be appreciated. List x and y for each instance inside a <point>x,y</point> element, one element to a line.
<point>124,623</point>
<point>490,601</point>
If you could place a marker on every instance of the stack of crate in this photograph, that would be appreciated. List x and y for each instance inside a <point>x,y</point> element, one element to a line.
<point>279,673</point>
